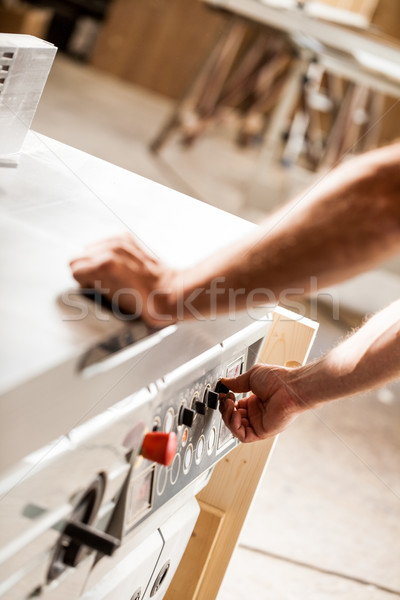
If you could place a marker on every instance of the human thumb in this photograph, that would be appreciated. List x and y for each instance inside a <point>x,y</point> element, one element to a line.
<point>238,384</point>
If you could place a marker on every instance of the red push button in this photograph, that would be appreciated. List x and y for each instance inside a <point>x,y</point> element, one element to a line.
<point>159,447</point>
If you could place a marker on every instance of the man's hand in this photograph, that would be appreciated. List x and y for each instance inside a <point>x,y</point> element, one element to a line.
<point>269,409</point>
<point>126,273</point>
<point>367,359</point>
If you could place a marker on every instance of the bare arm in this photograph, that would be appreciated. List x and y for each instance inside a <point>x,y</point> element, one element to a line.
<point>347,223</point>
<point>344,224</point>
<point>365,360</point>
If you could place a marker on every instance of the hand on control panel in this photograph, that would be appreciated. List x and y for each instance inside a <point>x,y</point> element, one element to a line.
<point>269,409</point>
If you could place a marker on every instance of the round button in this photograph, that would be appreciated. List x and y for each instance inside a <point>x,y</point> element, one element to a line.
<point>162,480</point>
<point>156,424</point>
<point>211,440</point>
<point>200,449</point>
<point>185,435</point>
<point>175,468</point>
<point>187,461</point>
<point>169,420</point>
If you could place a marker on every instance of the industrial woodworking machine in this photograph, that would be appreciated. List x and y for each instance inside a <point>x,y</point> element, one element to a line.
<point>109,429</point>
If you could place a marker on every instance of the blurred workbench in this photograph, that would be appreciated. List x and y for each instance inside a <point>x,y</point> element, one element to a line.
<point>308,81</point>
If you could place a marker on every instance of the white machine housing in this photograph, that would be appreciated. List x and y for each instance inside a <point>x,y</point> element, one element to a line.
<point>80,388</point>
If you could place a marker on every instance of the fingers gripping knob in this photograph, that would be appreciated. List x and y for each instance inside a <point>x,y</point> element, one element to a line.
<point>159,447</point>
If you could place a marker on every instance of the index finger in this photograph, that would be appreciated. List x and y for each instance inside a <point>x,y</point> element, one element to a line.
<point>238,384</point>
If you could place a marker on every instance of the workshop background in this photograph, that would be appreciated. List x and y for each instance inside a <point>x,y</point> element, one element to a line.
<point>187,95</point>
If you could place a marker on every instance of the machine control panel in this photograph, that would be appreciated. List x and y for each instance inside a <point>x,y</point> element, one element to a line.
<point>204,442</point>
<point>188,420</point>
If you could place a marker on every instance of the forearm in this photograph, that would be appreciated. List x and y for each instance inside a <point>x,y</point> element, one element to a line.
<point>278,395</point>
<point>344,224</point>
<point>367,359</point>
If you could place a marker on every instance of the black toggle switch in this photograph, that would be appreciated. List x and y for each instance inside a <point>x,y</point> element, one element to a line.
<point>88,536</point>
<point>186,416</point>
<point>220,388</point>
<point>211,399</point>
<point>200,407</point>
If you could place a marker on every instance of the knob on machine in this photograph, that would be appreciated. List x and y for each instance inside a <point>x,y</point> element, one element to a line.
<point>159,447</point>
<point>211,399</point>
<point>186,416</point>
<point>220,388</point>
<point>78,537</point>
<point>199,407</point>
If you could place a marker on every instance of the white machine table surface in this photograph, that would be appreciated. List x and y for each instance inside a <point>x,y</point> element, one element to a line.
<point>58,200</point>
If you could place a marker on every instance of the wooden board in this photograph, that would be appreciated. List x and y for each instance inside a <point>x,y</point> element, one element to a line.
<point>160,44</point>
<point>25,19</point>
<point>366,8</point>
<point>387,18</point>
<point>226,500</point>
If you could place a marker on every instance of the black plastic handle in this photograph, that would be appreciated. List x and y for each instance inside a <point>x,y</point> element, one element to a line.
<point>88,536</point>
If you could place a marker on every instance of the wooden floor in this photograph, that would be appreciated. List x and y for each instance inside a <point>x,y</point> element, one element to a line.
<point>326,521</point>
